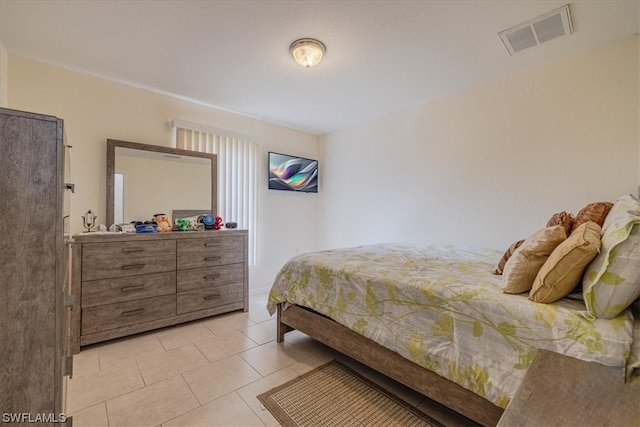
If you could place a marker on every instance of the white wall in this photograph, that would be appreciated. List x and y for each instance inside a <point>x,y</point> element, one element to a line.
<point>95,109</point>
<point>490,165</point>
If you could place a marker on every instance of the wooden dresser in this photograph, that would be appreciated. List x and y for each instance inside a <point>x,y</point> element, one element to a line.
<point>34,302</point>
<point>130,283</point>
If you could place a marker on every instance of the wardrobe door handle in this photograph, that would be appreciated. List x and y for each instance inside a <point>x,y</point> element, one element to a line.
<point>131,288</point>
<point>133,312</point>
<point>132,250</point>
<point>133,266</point>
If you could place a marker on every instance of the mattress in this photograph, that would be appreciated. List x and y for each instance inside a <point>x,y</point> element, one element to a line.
<point>442,308</point>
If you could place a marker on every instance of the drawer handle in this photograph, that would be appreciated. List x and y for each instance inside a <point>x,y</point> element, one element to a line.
<point>132,266</point>
<point>212,276</point>
<point>131,288</point>
<point>131,250</point>
<point>208,245</point>
<point>212,258</point>
<point>212,297</point>
<point>133,312</point>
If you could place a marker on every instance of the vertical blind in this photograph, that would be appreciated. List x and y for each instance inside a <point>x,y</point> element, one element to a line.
<point>237,178</point>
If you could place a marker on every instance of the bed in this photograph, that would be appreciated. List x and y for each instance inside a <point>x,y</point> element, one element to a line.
<point>435,319</point>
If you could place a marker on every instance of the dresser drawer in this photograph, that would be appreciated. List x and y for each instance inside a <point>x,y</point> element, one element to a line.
<point>120,259</point>
<point>110,291</point>
<point>198,278</point>
<point>111,316</point>
<point>209,252</point>
<point>214,296</point>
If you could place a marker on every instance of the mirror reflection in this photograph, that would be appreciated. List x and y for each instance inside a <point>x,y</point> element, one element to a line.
<point>144,180</point>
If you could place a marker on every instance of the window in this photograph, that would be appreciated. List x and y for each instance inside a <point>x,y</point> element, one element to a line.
<point>237,177</point>
<point>118,193</point>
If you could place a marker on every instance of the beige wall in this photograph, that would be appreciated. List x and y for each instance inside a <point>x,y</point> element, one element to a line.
<point>484,167</point>
<point>4,59</point>
<point>96,109</point>
<point>489,165</point>
<point>160,185</point>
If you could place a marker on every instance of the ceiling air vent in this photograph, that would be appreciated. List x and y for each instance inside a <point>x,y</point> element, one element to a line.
<point>549,26</point>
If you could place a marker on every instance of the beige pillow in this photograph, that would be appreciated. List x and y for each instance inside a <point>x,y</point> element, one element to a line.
<point>522,267</point>
<point>566,264</point>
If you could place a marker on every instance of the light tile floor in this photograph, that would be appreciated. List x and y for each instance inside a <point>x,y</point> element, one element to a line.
<point>204,373</point>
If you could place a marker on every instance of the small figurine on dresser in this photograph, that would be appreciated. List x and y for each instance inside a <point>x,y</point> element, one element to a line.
<point>207,220</point>
<point>210,222</point>
<point>162,221</point>
<point>145,227</point>
<point>184,224</point>
<point>89,220</point>
<point>127,228</point>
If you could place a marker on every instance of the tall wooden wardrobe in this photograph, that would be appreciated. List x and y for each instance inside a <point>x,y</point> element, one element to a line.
<point>34,252</point>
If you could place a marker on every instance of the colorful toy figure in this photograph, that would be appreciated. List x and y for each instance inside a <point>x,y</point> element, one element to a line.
<point>162,221</point>
<point>217,225</point>
<point>207,220</point>
<point>184,224</point>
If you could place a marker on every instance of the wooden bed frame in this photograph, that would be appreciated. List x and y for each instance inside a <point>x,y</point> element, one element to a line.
<point>388,363</point>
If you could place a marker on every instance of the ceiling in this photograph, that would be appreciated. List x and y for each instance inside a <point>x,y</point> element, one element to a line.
<point>382,56</point>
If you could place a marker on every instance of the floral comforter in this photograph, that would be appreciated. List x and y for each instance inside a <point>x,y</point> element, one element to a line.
<point>443,309</point>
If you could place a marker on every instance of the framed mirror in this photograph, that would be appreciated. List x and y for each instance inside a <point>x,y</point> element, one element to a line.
<point>143,180</point>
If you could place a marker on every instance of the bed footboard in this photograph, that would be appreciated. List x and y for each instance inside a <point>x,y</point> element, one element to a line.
<point>388,363</point>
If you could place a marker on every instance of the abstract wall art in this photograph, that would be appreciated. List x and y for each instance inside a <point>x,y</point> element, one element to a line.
<point>291,173</point>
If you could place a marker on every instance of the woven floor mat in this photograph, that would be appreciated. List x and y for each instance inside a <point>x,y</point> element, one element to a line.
<point>335,395</point>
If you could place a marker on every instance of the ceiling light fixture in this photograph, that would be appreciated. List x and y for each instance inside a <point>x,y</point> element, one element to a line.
<point>307,52</point>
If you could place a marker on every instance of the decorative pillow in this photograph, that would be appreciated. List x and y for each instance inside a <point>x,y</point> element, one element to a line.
<point>564,268</point>
<point>623,207</point>
<point>612,280</point>
<point>562,218</point>
<point>522,267</point>
<point>596,212</point>
<point>500,267</point>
